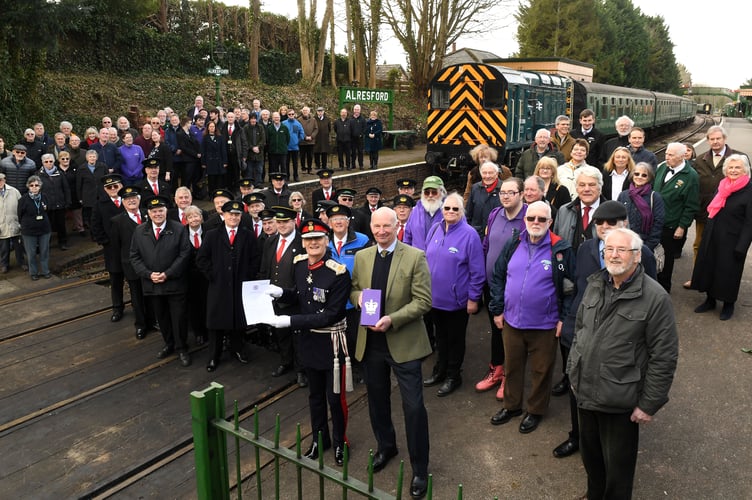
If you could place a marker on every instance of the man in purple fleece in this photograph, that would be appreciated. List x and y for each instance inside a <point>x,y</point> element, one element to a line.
<point>531,289</point>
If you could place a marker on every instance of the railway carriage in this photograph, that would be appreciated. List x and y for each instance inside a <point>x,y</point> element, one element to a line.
<point>475,103</point>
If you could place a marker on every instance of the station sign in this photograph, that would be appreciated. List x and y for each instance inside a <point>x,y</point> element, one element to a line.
<point>216,71</point>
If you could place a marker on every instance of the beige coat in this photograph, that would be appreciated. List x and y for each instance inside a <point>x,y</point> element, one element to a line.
<point>9,226</point>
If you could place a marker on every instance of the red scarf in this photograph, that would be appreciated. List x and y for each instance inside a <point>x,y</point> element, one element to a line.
<point>725,189</point>
<point>490,188</point>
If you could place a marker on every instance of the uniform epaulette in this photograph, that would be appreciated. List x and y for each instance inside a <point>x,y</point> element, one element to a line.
<point>300,257</point>
<point>335,266</point>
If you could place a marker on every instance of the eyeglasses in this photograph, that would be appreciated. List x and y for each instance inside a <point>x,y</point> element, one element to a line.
<point>431,191</point>
<point>346,198</point>
<point>639,174</point>
<point>618,250</point>
<point>296,199</point>
<point>48,161</point>
<point>112,186</point>
<point>508,193</point>
<point>610,222</point>
<point>533,218</point>
<point>453,209</point>
<point>64,158</point>
<point>19,152</point>
<point>34,185</point>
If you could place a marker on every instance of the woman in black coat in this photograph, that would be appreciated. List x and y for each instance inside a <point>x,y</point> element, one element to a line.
<point>161,151</point>
<point>618,169</point>
<point>726,239</point>
<point>56,189</point>
<point>214,157</point>
<point>35,228</point>
<point>190,153</point>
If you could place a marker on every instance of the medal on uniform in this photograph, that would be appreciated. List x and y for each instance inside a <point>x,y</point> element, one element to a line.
<point>309,278</point>
<point>319,295</point>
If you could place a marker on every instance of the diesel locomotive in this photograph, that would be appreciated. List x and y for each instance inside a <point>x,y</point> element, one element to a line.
<point>476,103</point>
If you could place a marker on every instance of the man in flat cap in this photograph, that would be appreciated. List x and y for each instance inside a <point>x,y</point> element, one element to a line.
<point>160,254</point>
<point>227,257</point>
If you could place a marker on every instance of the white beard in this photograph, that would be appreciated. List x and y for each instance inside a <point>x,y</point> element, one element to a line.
<point>431,206</point>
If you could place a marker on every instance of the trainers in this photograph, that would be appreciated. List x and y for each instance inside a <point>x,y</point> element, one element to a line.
<point>494,377</point>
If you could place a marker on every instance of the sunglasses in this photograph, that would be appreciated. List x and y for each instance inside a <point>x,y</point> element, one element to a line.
<point>453,209</point>
<point>346,198</point>
<point>113,186</point>
<point>34,185</point>
<point>430,191</point>
<point>639,174</point>
<point>533,218</point>
<point>610,222</point>
<point>296,199</point>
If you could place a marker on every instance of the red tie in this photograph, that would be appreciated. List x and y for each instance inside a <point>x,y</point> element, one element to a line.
<point>196,242</point>
<point>586,218</point>
<point>230,130</point>
<point>401,232</point>
<point>157,230</point>
<point>138,218</point>
<point>281,249</point>
<point>183,219</point>
<point>232,236</point>
<point>156,189</point>
<point>117,202</point>
<point>297,220</point>
<point>339,247</point>
<point>327,194</point>
<point>256,228</point>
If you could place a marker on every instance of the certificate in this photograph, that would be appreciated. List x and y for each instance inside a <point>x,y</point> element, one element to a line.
<point>257,305</point>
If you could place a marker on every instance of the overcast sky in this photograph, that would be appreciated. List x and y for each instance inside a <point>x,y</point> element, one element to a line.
<point>704,38</point>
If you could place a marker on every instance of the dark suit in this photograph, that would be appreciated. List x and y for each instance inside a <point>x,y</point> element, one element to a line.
<point>236,150</point>
<point>122,227</point>
<point>226,266</point>
<point>402,348</point>
<point>282,274</point>
<point>89,188</point>
<point>147,190</point>
<point>318,195</point>
<point>277,200</point>
<point>198,287</point>
<point>101,224</point>
<point>171,255</point>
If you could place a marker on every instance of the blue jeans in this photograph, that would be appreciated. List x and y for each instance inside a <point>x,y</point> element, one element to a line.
<point>43,243</point>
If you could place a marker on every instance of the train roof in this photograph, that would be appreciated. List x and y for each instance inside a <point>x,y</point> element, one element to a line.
<point>603,88</point>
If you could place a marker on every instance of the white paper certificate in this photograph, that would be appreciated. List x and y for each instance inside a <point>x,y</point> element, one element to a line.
<point>257,305</point>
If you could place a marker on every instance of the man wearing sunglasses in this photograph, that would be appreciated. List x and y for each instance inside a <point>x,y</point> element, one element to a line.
<point>610,215</point>
<point>531,289</point>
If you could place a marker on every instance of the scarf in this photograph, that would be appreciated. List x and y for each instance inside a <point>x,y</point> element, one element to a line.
<point>489,189</point>
<point>646,211</point>
<point>725,189</point>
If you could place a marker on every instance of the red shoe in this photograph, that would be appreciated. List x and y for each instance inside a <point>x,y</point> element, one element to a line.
<point>494,377</point>
<point>500,392</point>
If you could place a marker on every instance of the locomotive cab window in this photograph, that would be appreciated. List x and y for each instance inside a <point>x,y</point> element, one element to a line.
<point>493,95</point>
<point>440,96</point>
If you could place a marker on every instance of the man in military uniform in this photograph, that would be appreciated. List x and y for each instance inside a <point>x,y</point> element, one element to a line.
<point>403,205</point>
<point>322,287</point>
<point>254,204</point>
<point>278,194</point>
<point>227,257</point>
<point>153,184</point>
<point>104,210</point>
<point>327,190</point>
<point>277,266</point>
<point>215,220</point>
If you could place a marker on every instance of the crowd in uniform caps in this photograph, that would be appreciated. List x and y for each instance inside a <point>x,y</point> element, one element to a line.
<point>578,221</point>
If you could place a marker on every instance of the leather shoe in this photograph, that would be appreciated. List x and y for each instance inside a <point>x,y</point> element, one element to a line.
<point>116,316</point>
<point>561,388</point>
<point>302,381</point>
<point>434,379</point>
<point>313,451</point>
<point>339,455</point>
<point>241,357</point>
<point>185,358</point>
<point>212,365</point>
<point>449,386</point>
<point>727,311</point>
<point>381,458</point>
<point>706,306</point>
<point>166,351</point>
<point>418,487</point>
<point>140,333</point>
<point>281,370</point>
<point>503,416</point>
<point>568,447</point>
<point>530,423</point>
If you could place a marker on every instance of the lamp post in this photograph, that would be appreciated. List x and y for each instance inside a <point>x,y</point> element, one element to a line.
<point>217,71</point>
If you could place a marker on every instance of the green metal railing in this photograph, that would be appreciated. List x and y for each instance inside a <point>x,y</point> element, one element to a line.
<point>210,431</point>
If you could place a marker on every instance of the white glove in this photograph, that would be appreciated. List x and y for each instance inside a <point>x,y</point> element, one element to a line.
<point>280,321</point>
<point>273,291</point>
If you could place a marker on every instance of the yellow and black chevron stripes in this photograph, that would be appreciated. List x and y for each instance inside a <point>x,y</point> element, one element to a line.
<point>466,121</point>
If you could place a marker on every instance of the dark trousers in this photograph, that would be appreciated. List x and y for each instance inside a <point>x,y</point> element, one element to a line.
<point>117,281</point>
<point>191,175</point>
<point>497,338</point>
<point>57,221</point>
<point>608,444</point>
<point>86,214</point>
<point>170,313</point>
<point>143,319</point>
<point>356,153</point>
<point>294,158</point>
<point>672,247</point>
<point>321,392</point>
<point>277,163</point>
<point>233,171</point>
<point>343,155</point>
<point>217,182</point>
<point>306,157</point>
<point>288,349</point>
<point>451,328</point>
<point>378,364</point>
<point>574,434</point>
<point>373,158</point>
<point>216,339</point>
<point>539,346</point>
<point>320,160</point>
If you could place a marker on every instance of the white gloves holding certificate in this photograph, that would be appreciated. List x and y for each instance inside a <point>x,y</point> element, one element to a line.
<point>273,291</point>
<point>279,321</point>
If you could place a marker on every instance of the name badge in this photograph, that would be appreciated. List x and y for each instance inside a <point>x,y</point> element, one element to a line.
<point>40,217</point>
<point>229,141</point>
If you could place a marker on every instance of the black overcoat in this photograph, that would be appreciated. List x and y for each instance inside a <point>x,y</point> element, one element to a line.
<point>170,254</point>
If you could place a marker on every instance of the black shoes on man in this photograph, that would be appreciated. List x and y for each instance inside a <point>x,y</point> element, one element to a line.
<point>382,458</point>
<point>528,424</point>
<point>418,486</point>
<point>568,447</point>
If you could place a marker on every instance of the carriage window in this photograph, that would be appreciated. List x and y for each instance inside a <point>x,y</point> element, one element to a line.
<point>493,95</point>
<point>440,96</point>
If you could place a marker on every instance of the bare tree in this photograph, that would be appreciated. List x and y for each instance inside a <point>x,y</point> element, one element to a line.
<point>254,39</point>
<point>374,40</point>
<point>425,28</point>
<point>313,40</point>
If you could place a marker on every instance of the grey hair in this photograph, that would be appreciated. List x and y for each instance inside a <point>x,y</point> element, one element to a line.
<point>588,171</point>
<point>635,242</point>
<point>717,128</point>
<point>737,157</point>
<point>489,164</point>
<point>543,204</point>
<point>193,209</point>
<point>454,195</point>
<point>34,178</point>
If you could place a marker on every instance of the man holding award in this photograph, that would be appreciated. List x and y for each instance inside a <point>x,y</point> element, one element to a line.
<point>392,286</point>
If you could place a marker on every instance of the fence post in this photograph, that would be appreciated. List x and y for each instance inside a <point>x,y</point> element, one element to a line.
<point>210,446</point>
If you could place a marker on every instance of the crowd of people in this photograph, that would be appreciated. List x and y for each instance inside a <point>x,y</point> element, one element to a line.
<point>574,245</point>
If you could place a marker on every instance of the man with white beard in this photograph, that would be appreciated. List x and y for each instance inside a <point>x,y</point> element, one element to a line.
<point>426,213</point>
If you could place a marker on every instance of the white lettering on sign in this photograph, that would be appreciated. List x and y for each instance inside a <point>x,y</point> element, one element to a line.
<point>366,95</point>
